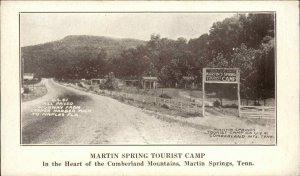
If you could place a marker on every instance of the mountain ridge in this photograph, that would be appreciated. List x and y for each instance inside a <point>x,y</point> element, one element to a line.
<point>71,49</point>
<point>68,37</point>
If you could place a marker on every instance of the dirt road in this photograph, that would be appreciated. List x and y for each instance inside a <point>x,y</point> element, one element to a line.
<point>111,122</point>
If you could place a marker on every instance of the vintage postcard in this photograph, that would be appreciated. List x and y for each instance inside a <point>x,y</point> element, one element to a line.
<point>148,78</point>
<point>162,92</point>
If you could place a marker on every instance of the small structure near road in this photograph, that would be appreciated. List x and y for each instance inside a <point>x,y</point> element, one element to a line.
<point>97,81</point>
<point>28,76</point>
<point>131,81</point>
<point>149,82</point>
<point>188,81</point>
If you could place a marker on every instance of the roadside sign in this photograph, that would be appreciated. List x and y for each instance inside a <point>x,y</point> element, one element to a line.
<point>223,76</point>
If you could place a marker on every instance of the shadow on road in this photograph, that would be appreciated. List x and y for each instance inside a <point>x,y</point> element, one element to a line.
<point>45,124</point>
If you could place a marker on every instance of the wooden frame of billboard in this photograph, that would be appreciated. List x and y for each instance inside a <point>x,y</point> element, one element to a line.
<point>237,70</point>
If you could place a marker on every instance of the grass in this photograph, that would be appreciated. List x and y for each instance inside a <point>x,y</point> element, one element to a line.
<point>172,92</point>
<point>161,108</point>
<point>31,82</point>
<point>190,98</point>
<point>33,92</point>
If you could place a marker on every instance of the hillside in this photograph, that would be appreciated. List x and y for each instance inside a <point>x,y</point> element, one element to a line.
<point>41,58</point>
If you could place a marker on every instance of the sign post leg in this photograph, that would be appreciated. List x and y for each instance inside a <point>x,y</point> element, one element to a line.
<point>239,98</point>
<point>203,92</point>
<point>203,101</point>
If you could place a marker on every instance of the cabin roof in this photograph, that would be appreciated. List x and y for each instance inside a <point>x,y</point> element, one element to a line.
<point>150,78</point>
<point>131,80</point>
<point>188,78</point>
<point>97,79</point>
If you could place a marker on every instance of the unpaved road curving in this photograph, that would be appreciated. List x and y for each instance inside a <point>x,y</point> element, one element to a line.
<point>111,122</point>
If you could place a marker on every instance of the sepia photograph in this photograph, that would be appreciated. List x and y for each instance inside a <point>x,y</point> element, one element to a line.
<point>148,78</point>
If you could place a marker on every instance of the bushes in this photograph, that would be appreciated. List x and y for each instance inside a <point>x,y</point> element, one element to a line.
<point>165,106</point>
<point>165,96</point>
<point>230,106</point>
<point>216,103</point>
<point>81,85</point>
<point>109,85</point>
<point>26,90</point>
<point>256,103</point>
<point>122,99</point>
<point>33,81</point>
<point>91,88</point>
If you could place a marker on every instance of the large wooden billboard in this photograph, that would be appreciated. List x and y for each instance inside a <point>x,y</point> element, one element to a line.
<point>223,76</point>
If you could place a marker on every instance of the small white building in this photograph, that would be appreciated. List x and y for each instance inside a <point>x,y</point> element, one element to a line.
<point>28,76</point>
<point>149,82</point>
<point>189,82</point>
<point>97,81</point>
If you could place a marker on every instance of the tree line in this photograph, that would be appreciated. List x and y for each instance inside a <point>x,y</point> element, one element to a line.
<point>244,41</point>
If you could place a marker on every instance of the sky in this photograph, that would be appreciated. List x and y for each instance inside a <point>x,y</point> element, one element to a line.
<point>37,28</point>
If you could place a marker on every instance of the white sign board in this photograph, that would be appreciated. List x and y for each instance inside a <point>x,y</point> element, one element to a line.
<point>220,75</point>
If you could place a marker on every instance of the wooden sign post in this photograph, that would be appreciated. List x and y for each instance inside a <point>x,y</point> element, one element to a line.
<point>223,76</point>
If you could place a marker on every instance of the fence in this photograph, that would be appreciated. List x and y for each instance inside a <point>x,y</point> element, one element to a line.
<point>265,112</point>
<point>183,105</point>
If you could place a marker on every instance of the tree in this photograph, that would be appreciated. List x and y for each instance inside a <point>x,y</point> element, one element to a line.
<point>256,27</point>
<point>241,42</point>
